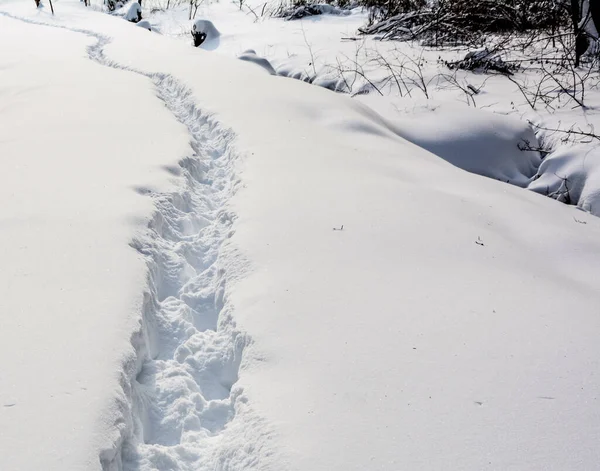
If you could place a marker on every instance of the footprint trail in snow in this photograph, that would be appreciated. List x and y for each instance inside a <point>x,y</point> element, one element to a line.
<point>179,391</point>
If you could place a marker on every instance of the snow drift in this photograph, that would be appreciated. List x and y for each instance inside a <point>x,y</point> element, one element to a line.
<point>334,84</point>
<point>571,175</point>
<point>480,142</point>
<point>251,56</point>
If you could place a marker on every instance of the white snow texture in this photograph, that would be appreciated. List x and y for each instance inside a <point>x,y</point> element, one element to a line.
<point>206,267</point>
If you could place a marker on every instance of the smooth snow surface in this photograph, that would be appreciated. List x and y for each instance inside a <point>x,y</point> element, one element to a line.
<point>206,267</point>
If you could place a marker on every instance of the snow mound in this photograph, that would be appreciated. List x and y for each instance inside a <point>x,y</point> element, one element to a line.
<point>134,14</point>
<point>295,72</point>
<point>251,56</point>
<point>206,34</point>
<point>571,175</point>
<point>479,142</point>
<point>145,24</point>
<point>331,83</point>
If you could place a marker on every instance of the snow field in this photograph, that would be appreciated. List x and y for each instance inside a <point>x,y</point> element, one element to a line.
<point>403,314</point>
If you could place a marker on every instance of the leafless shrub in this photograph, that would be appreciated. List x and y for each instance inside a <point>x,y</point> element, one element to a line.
<point>451,22</point>
<point>402,72</point>
<point>452,81</point>
<point>194,6</point>
<point>554,81</point>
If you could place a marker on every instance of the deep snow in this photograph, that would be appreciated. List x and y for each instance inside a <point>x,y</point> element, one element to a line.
<point>76,163</point>
<point>248,272</point>
<point>327,51</point>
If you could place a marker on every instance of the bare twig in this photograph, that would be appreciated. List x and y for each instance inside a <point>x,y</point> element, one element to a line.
<point>584,136</point>
<point>312,57</point>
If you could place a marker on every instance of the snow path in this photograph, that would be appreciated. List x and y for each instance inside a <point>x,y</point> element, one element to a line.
<point>179,391</point>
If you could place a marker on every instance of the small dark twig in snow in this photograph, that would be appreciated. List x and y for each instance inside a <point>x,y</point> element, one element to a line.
<point>579,221</point>
<point>479,241</point>
<point>341,228</point>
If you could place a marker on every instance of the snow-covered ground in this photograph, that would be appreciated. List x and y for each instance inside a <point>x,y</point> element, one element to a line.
<point>208,267</point>
<point>404,79</point>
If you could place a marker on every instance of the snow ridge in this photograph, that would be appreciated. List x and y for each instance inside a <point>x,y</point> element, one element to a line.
<point>178,387</point>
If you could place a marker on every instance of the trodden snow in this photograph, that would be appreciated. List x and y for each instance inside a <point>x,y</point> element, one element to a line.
<point>208,267</point>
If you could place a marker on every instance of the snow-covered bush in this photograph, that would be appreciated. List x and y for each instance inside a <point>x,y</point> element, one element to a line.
<point>203,30</point>
<point>114,5</point>
<point>571,175</point>
<point>134,14</point>
<point>333,83</point>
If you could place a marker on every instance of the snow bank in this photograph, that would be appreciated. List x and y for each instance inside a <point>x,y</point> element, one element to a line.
<point>572,176</point>
<point>480,142</point>
<point>334,84</point>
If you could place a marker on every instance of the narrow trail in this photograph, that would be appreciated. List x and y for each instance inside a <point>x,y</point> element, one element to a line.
<point>178,388</point>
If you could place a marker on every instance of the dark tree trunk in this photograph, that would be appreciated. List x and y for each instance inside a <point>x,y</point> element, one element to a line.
<point>37,3</point>
<point>581,37</point>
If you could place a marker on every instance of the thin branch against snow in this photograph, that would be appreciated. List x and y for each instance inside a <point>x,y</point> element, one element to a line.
<point>310,50</point>
<point>572,134</point>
